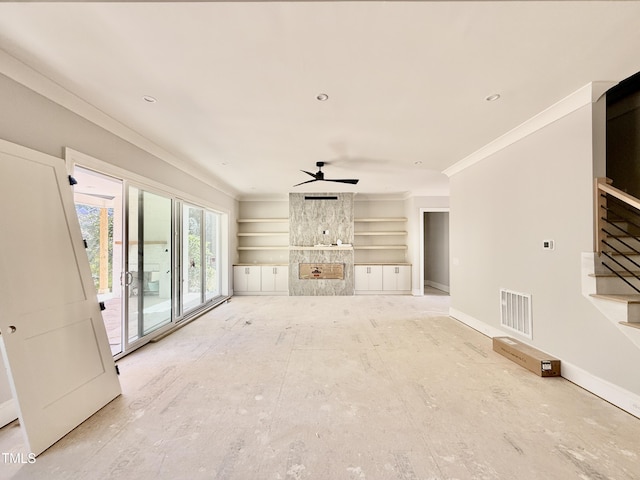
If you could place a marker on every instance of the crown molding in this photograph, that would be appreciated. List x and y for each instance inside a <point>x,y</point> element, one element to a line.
<point>39,83</point>
<point>586,95</point>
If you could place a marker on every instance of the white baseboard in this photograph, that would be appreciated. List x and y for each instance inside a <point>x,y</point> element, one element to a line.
<point>439,286</point>
<point>621,398</point>
<point>8,412</point>
<point>476,324</point>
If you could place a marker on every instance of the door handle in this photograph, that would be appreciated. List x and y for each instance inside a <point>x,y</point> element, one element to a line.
<point>128,279</point>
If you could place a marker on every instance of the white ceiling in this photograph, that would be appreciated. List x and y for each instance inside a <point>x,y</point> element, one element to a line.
<point>236,82</point>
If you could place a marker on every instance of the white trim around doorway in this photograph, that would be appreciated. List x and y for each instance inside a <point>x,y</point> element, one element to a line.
<point>421,282</point>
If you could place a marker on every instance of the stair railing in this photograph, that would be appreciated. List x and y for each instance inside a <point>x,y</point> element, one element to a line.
<point>617,214</point>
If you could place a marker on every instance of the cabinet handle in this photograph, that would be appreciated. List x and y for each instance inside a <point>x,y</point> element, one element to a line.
<point>275,270</point>
<point>397,269</point>
<point>246,270</point>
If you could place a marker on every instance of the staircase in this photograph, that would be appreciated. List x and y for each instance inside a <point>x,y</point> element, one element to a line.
<point>611,276</point>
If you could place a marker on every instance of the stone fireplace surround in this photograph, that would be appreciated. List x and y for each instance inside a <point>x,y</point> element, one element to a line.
<point>321,219</point>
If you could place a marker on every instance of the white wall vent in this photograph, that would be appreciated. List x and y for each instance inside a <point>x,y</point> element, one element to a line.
<point>515,311</point>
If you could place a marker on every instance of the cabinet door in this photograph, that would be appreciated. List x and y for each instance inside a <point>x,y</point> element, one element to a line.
<point>254,277</point>
<point>239,279</point>
<point>281,279</point>
<point>375,277</point>
<point>368,277</point>
<point>396,278</point>
<point>360,277</point>
<point>389,277</point>
<point>268,278</point>
<point>404,278</point>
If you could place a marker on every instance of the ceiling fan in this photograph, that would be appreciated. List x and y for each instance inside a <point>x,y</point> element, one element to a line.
<point>319,176</point>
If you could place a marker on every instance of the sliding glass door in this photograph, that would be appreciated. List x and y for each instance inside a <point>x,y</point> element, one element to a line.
<point>154,258</point>
<point>149,263</point>
<point>191,257</point>
<point>199,247</point>
<point>211,254</point>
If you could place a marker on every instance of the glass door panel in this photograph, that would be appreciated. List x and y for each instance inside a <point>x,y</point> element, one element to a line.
<point>132,277</point>
<point>211,255</point>
<point>191,257</point>
<point>149,271</point>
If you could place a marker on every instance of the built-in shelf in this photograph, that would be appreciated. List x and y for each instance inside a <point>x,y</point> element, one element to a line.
<point>380,240</point>
<point>263,240</point>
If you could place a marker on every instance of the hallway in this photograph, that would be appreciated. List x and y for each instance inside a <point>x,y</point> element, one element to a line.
<point>328,388</point>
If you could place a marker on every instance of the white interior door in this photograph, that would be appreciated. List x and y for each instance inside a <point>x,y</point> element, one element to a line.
<point>54,342</point>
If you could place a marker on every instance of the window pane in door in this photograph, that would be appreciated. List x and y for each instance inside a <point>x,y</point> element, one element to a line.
<point>150,250</point>
<point>191,257</point>
<point>211,255</point>
<point>156,279</point>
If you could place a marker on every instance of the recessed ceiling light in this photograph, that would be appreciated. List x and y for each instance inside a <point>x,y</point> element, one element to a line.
<point>493,98</point>
<point>418,162</point>
<point>149,99</point>
<point>323,97</point>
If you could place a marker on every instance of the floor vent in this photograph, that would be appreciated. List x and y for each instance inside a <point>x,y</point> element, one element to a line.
<point>515,311</point>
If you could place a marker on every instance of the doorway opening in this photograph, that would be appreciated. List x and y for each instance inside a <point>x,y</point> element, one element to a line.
<point>435,251</point>
<point>98,201</point>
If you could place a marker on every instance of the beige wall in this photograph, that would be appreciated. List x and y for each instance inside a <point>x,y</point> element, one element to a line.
<point>502,208</point>
<point>30,120</point>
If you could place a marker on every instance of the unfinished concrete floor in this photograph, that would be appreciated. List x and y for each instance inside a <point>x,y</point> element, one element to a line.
<point>328,388</point>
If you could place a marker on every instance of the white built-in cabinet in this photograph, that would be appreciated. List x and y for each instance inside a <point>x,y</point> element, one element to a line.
<point>260,280</point>
<point>246,279</point>
<point>387,279</point>
<point>380,245</point>
<point>274,278</point>
<point>396,278</point>
<point>367,278</point>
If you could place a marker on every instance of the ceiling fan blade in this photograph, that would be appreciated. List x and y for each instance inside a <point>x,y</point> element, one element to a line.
<point>352,181</point>
<point>308,181</point>
<point>314,175</point>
